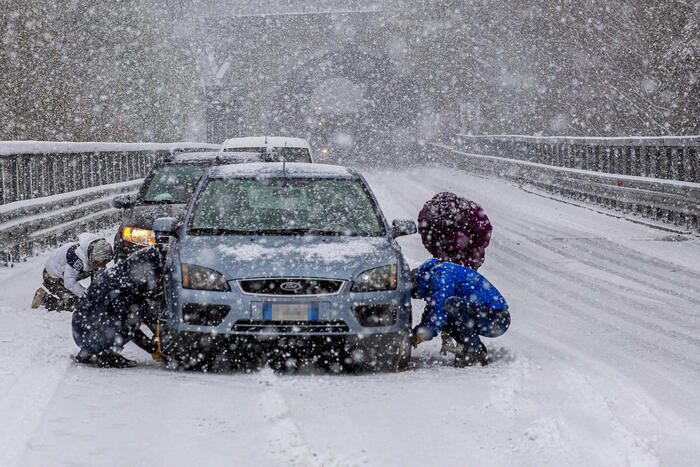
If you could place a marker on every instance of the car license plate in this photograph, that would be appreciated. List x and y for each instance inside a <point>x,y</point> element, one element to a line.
<point>290,312</point>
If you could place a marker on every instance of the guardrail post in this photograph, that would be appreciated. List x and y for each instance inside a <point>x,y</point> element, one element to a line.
<point>675,164</point>
<point>122,167</point>
<point>664,163</point>
<point>692,164</point>
<point>626,163</point>
<point>656,162</point>
<point>103,170</point>
<point>3,184</point>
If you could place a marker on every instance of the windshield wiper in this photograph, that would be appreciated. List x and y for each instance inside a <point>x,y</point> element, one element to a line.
<point>323,232</point>
<point>291,232</point>
<point>213,231</point>
<point>164,201</point>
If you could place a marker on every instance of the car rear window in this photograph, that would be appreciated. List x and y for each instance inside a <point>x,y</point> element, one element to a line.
<point>173,184</point>
<point>286,206</point>
<point>290,154</point>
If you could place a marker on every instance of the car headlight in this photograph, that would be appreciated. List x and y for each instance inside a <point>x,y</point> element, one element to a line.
<point>201,278</point>
<point>143,237</point>
<point>372,280</point>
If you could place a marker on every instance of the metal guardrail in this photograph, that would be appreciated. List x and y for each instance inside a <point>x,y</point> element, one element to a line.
<point>53,191</point>
<point>668,158</point>
<point>34,169</point>
<point>668,201</point>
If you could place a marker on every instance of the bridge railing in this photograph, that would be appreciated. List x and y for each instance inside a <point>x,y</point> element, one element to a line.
<point>51,191</point>
<point>650,177</point>
<point>668,158</point>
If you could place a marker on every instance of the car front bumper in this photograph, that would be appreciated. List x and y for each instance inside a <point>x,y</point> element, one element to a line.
<point>343,315</point>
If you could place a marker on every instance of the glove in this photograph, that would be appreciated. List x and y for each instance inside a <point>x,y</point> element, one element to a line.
<point>157,356</point>
<point>420,334</point>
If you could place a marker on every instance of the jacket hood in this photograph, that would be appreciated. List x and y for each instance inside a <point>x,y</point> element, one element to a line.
<point>143,270</point>
<point>313,256</point>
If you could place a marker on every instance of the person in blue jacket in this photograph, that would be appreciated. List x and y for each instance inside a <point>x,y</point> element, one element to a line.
<point>462,304</point>
<point>113,308</point>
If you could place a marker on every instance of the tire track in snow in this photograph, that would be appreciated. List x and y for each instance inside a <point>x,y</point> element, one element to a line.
<point>591,327</point>
<point>664,309</point>
<point>606,258</point>
<point>582,307</point>
<point>641,259</point>
<point>284,437</point>
<point>589,284</point>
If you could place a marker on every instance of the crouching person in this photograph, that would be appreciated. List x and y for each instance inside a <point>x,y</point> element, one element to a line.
<point>67,266</point>
<point>461,304</point>
<point>111,311</point>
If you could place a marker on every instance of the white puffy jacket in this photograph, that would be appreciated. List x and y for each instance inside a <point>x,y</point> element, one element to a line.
<point>70,263</point>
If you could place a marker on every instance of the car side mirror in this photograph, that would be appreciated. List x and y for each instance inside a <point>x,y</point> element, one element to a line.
<point>401,227</point>
<point>122,201</point>
<point>164,228</point>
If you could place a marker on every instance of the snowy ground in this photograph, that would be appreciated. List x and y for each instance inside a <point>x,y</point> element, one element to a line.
<point>601,365</point>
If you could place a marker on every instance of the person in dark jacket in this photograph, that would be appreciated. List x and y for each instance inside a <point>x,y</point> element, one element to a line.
<point>460,302</point>
<point>114,306</point>
<point>455,229</point>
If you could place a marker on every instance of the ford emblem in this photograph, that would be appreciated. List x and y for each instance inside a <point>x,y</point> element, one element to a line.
<point>290,286</point>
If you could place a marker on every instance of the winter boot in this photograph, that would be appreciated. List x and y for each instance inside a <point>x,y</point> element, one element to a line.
<point>105,359</point>
<point>467,357</point>
<point>449,345</point>
<point>85,357</point>
<point>39,298</point>
<point>108,359</point>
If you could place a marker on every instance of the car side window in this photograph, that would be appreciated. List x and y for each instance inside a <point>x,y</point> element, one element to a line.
<point>173,184</point>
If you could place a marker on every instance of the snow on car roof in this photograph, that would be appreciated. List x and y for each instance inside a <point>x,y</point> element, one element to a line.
<point>260,141</point>
<point>275,169</point>
<point>213,156</point>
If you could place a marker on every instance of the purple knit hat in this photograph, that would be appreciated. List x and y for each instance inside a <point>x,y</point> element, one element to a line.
<point>455,229</point>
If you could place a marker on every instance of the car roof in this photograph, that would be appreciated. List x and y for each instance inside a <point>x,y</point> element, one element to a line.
<point>279,170</point>
<point>264,141</point>
<point>212,157</point>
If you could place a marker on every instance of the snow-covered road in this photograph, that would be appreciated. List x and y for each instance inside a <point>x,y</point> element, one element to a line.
<point>601,365</point>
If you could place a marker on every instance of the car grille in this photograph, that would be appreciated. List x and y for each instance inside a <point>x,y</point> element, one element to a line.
<point>290,286</point>
<point>324,327</point>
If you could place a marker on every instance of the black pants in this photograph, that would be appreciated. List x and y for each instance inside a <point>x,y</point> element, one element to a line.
<point>59,297</point>
<point>466,321</point>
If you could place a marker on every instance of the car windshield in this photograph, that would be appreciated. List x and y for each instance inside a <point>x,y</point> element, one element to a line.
<point>173,184</point>
<point>289,154</point>
<point>285,206</point>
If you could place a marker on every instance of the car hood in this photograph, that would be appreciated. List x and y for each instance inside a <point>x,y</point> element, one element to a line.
<point>144,215</point>
<point>334,257</point>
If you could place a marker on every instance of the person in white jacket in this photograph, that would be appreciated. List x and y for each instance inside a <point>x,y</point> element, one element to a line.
<point>68,265</point>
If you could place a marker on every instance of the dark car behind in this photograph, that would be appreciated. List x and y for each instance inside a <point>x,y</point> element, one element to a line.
<point>164,193</point>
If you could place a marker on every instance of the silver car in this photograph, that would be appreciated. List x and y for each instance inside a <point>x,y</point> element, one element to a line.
<point>285,263</point>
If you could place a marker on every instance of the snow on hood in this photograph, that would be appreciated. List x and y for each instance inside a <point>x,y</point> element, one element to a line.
<point>333,257</point>
<point>323,252</point>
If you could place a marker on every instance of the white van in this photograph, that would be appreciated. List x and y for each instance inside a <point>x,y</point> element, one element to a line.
<point>293,149</point>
